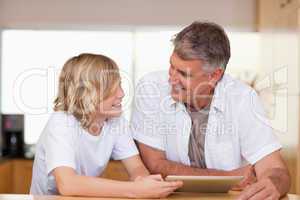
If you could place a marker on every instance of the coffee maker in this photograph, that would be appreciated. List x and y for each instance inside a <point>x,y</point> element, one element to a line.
<point>12,135</point>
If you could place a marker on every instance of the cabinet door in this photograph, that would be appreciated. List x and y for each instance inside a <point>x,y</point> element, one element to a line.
<point>278,25</point>
<point>267,11</point>
<point>6,182</point>
<point>276,15</point>
<point>22,176</point>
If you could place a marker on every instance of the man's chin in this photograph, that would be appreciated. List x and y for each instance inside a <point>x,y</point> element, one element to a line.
<point>177,98</point>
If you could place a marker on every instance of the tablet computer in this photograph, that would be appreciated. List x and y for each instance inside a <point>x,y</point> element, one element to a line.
<point>206,184</point>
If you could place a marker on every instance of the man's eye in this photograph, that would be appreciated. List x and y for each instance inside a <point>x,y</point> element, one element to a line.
<point>183,74</point>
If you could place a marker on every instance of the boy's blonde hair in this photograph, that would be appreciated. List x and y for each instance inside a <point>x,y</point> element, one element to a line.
<point>84,82</point>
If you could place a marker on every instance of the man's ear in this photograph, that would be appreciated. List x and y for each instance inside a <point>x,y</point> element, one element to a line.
<point>216,75</point>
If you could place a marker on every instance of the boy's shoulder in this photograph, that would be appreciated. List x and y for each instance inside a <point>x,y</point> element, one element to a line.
<point>62,118</point>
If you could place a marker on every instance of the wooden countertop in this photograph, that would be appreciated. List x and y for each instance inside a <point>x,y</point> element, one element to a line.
<point>178,196</point>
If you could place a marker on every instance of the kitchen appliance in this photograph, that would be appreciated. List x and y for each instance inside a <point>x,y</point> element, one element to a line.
<point>12,135</point>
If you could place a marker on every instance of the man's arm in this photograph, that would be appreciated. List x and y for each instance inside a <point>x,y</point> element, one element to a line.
<point>273,179</point>
<point>157,163</point>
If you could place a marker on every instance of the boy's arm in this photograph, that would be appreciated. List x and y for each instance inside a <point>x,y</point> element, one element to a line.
<point>70,184</point>
<point>135,167</point>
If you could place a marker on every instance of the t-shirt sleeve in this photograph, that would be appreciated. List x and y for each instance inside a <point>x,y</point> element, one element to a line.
<point>256,136</point>
<point>59,146</point>
<point>124,146</point>
<point>146,120</point>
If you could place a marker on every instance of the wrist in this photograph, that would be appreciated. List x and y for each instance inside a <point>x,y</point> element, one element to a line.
<point>130,190</point>
<point>234,172</point>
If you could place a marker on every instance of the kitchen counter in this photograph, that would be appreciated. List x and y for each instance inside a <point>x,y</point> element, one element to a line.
<point>178,196</point>
<point>4,159</point>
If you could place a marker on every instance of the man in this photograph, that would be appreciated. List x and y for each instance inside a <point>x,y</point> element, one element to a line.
<point>199,121</point>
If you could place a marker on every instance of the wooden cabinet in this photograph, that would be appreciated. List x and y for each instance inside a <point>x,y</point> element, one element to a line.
<point>278,25</point>
<point>22,173</point>
<point>6,181</point>
<point>15,175</point>
<point>276,14</point>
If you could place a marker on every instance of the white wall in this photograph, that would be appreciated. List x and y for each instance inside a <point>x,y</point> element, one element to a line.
<point>239,14</point>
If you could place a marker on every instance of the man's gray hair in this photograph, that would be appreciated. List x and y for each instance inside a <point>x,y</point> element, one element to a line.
<point>205,41</point>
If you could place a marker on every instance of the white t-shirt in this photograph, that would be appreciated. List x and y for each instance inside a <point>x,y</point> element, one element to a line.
<point>64,142</point>
<point>237,129</point>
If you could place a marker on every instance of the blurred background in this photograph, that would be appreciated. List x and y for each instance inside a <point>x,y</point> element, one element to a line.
<point>38,36</point>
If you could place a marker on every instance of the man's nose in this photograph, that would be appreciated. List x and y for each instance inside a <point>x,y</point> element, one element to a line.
<point>173,78</point>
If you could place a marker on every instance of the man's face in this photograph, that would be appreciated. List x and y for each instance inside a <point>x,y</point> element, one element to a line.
<point>189,81</point>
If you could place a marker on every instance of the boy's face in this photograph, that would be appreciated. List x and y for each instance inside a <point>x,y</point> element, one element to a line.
<point>112,107</point>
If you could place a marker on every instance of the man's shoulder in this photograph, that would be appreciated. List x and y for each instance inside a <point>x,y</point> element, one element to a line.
<point>232,86</point>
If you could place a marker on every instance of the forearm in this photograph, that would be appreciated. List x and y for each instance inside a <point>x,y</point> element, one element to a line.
<point>94,186</point>
<point>157,163</point>
<point>166,167</point>
<point>139,171</point>
<point>135,167</point>
<point>280,178</point>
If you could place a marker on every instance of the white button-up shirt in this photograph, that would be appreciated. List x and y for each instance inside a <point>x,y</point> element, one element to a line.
<point>237,130</point>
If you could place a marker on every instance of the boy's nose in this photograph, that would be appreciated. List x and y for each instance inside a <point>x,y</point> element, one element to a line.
<point>121,93</point>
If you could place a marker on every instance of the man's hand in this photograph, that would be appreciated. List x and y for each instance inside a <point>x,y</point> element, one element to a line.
<point>249,175</point>
<point>263,189</point>
<point>273,179</point>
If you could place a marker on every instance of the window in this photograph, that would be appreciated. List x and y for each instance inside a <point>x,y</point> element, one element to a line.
<point>32,59</point>
<point>31,62</point>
